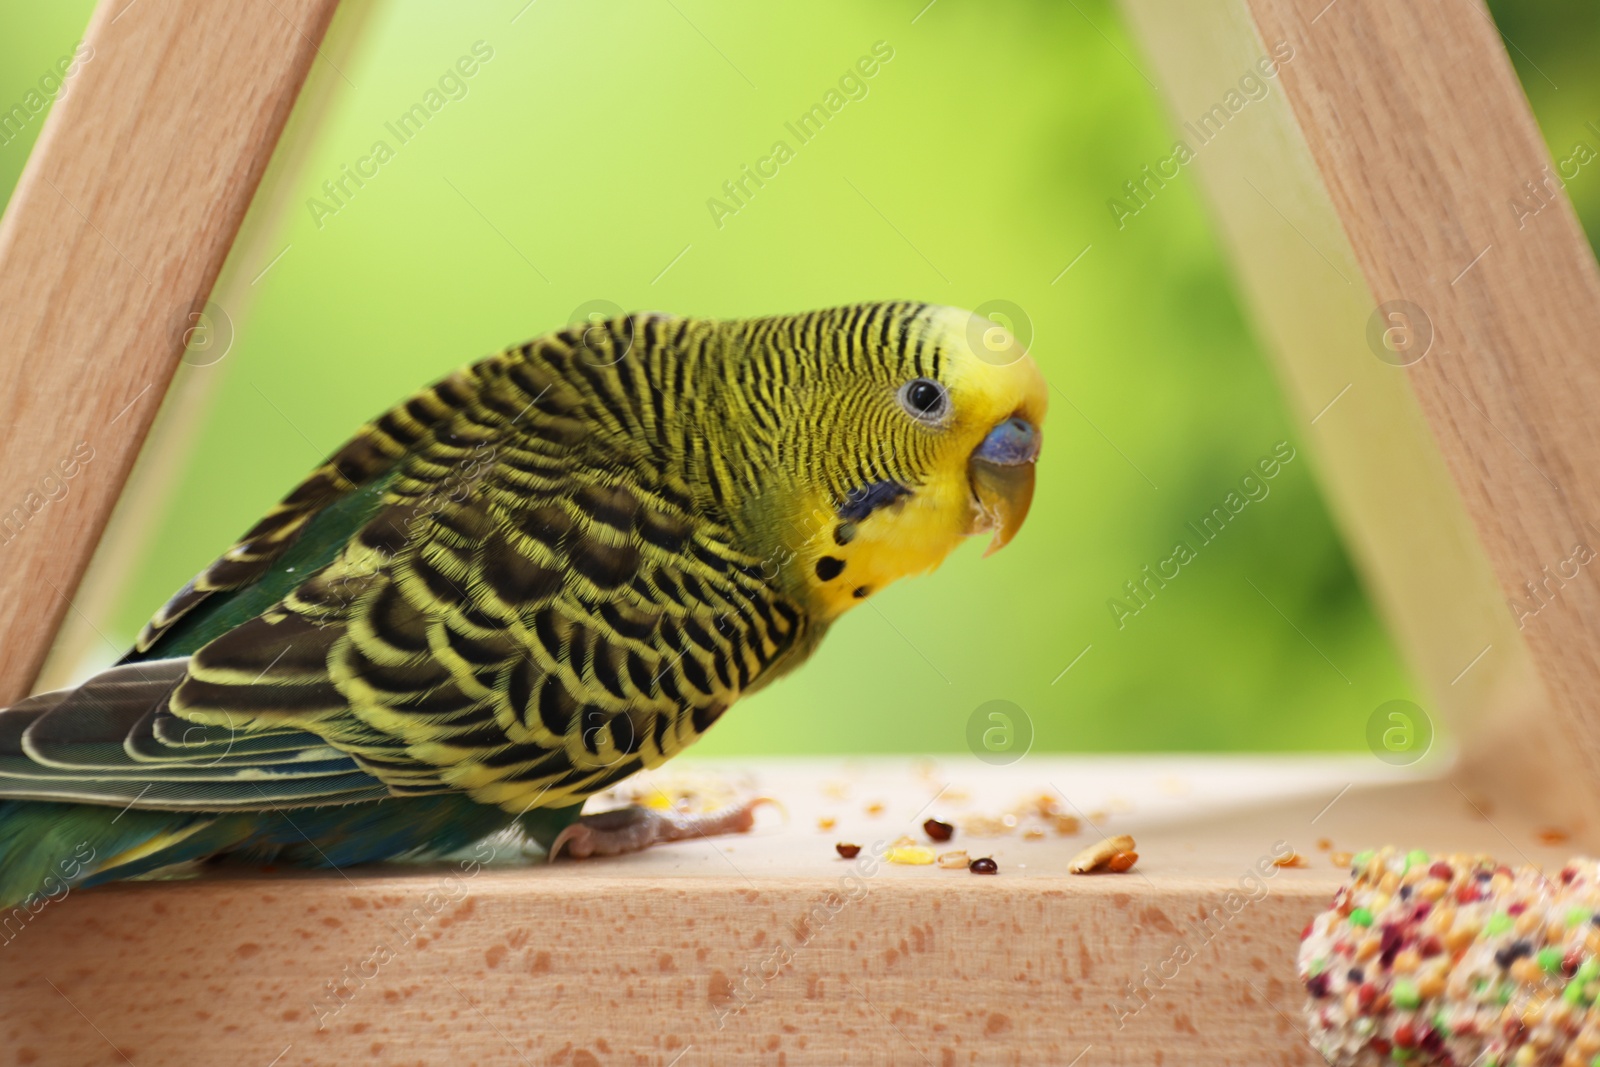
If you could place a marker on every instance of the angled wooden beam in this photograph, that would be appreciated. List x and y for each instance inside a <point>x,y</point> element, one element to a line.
<point>1434,324</point>
<point>117,230</point>
<point>148,491</point>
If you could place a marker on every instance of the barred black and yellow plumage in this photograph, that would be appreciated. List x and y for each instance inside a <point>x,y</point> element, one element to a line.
<point>549,570</point>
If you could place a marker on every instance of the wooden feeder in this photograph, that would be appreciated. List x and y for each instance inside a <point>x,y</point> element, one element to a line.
<point>1459,454</point>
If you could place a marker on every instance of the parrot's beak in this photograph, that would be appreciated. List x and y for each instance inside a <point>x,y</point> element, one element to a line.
<point>1001,472</point>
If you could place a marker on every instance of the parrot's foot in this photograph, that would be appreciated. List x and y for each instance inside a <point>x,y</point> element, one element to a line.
<point>634,828</point>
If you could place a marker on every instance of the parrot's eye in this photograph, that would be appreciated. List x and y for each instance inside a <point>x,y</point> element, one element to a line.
<point>925,399</point>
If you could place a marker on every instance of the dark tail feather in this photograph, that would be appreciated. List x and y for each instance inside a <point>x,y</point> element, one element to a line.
<point>47,848</point>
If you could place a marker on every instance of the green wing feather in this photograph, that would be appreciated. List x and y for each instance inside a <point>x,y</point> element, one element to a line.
<point>538,610</point>
<point>306,530</point>
<point>505,587</point>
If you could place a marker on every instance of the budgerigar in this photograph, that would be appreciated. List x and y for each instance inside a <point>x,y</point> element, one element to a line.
<point>553,568</point>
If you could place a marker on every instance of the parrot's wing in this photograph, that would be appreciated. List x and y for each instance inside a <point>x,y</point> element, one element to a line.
<point>565,622</point>
<point>528,611</point>
<point>114,740</point>
<point>307,528</point>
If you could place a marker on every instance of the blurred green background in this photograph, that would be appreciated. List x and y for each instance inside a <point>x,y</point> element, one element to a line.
<point>576,165</point>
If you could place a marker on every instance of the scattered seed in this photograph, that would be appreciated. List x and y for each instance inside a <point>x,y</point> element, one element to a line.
<point>938,831</point>
<point>1552,836</point>
<point>1324,845</point>
<point>875,808</point>
<point>1340,859</point>
<point>1098,817</point>
<point>849,852</point>
<point>1122,862</point>
<point>904,841</point>
<point>952,860</point>
<point>1098,854</point>
<point>910,855</point>
<point>984,865</point>
<point>827,822</point>
<point>1032,833</point>
<point>1067,825</point>
<point>1293,859</point>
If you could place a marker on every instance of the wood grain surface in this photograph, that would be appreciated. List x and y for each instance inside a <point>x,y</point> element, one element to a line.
<point>81,643</point>
<point>1380,173</point>
<point>117,230</point>
<point>766,948</point>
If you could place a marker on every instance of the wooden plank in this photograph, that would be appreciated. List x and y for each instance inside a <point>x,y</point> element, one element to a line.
<point>82,643</point>
<point>118,228</point>
<point>727,951</point>
<point>1383,165</point>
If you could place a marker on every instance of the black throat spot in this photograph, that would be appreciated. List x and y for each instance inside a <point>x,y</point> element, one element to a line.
<point>859,503</point>
<point>829,567</point>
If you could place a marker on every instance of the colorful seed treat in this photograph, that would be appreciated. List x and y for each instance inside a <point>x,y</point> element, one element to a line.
<point>1456,960</point>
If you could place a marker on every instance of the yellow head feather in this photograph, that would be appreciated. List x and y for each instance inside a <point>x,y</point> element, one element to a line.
<point>924,430</point>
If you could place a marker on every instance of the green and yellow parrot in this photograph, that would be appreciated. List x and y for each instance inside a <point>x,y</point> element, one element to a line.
<point>553,568</point>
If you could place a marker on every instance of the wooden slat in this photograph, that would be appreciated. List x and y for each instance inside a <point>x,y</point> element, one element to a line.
<point>118,228</point>
<point>638,970</point>
<point>706,944</point>
<point>83,640</point>
<point>1383,165</point>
